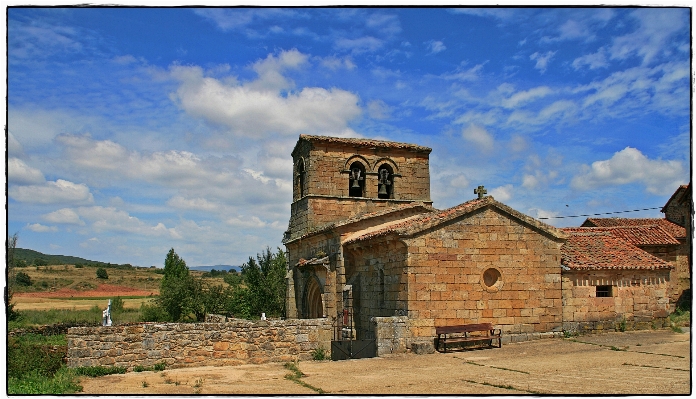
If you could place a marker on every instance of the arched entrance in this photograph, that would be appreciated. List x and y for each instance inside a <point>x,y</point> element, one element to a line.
<point>313,303</point>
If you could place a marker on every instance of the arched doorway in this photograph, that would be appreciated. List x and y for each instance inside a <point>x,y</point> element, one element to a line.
<point>313,303</point>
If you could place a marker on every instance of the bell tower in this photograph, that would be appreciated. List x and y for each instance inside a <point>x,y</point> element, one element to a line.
<point>338,178</point>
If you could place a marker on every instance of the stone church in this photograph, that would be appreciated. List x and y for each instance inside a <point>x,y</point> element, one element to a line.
<point>364,240</point>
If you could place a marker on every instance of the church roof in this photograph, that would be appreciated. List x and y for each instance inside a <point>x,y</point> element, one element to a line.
<point>430,220</point>
<point>601,250</point>
<point>636,235</point>
<point>673,229</point>
<point>364,142</point>
<point>403,208</point>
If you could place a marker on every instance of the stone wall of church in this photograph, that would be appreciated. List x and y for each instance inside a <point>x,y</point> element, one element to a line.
<point>377,276</point>
<point>486,268</point>
<point>198,344</point>
<point>635,299</point>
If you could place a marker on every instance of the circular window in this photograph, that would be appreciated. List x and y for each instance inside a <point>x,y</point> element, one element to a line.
<point>491,277</point>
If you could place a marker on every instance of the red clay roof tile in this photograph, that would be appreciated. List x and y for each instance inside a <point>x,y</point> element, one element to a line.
<point>673,229</point>
<point>589,249</point>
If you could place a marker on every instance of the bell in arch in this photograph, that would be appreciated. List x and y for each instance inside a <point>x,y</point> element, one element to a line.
<point>356,178</point>
<point>383,189</point>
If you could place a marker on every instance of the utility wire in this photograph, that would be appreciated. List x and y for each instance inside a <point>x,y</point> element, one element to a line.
<point>599,214</point>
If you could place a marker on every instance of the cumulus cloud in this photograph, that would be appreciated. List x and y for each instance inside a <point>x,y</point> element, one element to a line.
<point>542,60</point>
<point>436,46</point>
<point>64,216</point>
<point>20,173</point>
<point>631,166</point>
<point>39,228</point>
<point>479,136</point>
<point>116,220</point>
<point>261,107</point>
<point>57,192</point>
<point>502,193</point>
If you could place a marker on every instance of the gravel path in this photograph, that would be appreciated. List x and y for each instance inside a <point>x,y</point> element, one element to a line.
<point>637,362</point>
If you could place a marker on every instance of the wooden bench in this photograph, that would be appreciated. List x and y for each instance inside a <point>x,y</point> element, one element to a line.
<point>453,334</point>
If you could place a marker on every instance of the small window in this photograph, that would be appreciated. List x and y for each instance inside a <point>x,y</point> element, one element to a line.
<point>603,291</point>
<point>356,185</point>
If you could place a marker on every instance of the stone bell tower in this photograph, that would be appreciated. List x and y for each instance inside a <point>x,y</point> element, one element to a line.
<point>339,178</point>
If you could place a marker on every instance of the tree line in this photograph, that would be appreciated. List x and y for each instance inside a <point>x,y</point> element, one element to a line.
<point>260,288</point>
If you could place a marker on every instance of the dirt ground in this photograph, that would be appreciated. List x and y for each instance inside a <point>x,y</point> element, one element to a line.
<point>629,363</point>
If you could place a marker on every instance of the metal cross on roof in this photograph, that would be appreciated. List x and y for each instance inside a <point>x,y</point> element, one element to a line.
<point>480,191</point>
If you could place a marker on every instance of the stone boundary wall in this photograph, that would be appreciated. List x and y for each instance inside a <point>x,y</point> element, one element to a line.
<point>233,342</point>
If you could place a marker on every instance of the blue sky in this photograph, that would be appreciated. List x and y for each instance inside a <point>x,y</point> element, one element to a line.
<point>135,130</point>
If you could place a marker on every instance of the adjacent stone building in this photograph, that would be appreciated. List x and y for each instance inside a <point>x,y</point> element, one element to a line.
<point>607,280</point>
<point>668,238</point>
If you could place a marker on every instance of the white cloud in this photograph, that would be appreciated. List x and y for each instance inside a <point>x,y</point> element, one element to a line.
<point>335,63</point>
<point>653,35</point>
<point>523,97</point>
<point>115,220</point>
<point>471,74</point>
<point>19,172</point>
<point>39,228</point>
<point>518,143</point>
<point>502,193</point>
<point>259,108</point>
<point>593,61</point>
<point>436,46</point>
<point>201,204</point>
<point>378,109</point>
<point>542,60</point>
<point>64,216</point>
<point>631,166</point>
<point>459,181</point>
<point>479,136</point>
<point>60,191</point>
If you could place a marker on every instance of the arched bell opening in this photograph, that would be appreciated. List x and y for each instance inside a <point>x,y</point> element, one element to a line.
<point>356,182</point>
<point>301,177</point>
<point>385,175</point>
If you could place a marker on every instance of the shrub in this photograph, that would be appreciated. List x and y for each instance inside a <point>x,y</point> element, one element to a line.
<point>98,371</point>
<point>153,312</point>
<point>22,278</point>
<point>101,273</point>
<point>319,354</point>
<point>117,304</point>
<point>26,354</point>
<point>40,262</point>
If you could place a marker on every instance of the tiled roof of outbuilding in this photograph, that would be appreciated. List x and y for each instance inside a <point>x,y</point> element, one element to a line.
<point>673,229</point>
<point>365,142</point>
<point>423,222</point>
<point>589,249</point>
<point>636,235</point>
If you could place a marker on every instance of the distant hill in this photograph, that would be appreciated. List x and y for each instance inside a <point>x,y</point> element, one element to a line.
<point>29,256</point>
<point>216,267</point>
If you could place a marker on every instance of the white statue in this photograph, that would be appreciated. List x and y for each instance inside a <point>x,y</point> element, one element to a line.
<point>106,316</point>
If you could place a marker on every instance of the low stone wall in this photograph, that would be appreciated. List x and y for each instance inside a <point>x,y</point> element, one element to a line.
<point>232,342</point>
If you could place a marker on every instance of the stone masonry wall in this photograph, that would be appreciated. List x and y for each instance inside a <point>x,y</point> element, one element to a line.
<point>638,299</point>
<point>198,344</point>
<point>446,275</point>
